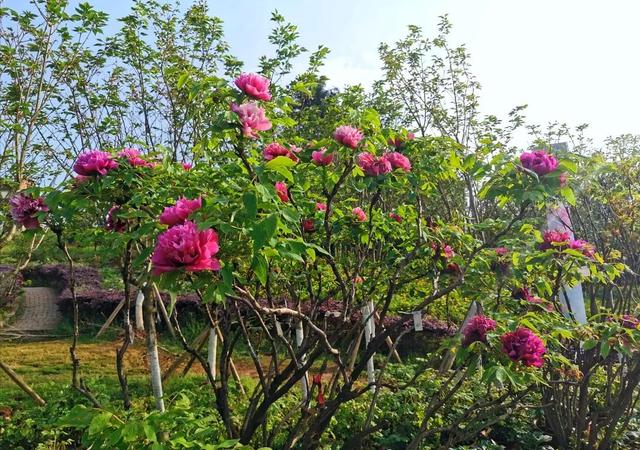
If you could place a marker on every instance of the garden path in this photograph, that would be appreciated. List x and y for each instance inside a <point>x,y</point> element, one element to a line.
<point>40,314</point>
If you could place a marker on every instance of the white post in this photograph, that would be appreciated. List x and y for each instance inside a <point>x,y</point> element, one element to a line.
<point>139,315</point>
<point>369,333</point>
<point>303,360</point>
<point>212,350</point>
<point>571,297</point>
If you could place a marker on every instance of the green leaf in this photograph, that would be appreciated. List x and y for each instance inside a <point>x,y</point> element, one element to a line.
<point>278,162</point>
<point>259,266</point>
<point>250,204</point>
<point>568,195</point>
<point>264,231</point>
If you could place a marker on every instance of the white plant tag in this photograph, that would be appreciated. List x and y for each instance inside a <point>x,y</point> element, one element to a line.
<point>417,320</point>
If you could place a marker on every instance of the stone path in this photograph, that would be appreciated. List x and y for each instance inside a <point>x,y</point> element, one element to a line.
<point>40,313</point>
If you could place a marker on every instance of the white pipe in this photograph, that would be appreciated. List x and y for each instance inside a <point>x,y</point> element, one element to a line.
<point>139,315</point>
<point>299,338</point>
<point>369,333</point>
<point>212,351</point>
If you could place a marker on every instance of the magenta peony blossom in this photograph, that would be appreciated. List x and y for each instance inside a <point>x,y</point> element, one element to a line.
<point>523,345</point>
<point>398,161</point>
<point>321,157</point>
<point>24,210</point>
<point>628,321</point>
<point>185,247</point>
<point>584,247</point>
<point>348,136</point>
<point>476,329</point>
<point>308,225</point>
<point>396,217</point>
<point>114,223</point>
<point>359,214</point>
<point>373,166</point>
<point>555,239</point>
<point>134,157</point>
<point>94,163</point>
<point>187,166</point>
<point>398,141</point>
<point>564,179</point>
<point>539,162</point>
<point>522,293</point>
<point>321,206</point>
<point>254,85</point>
<point>282,191</point>
<point>501,251</point>
<point>274,150</point>
<point>178,213</point>
<point>252,118</point>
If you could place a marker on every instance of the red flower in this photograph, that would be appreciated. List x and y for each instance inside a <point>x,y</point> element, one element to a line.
<point>359,214</point>
<point>254,85</point>
<point>308,225</point>
<point>94,163</point>
<point>396,217</point>
<point>274,150</point>
<point>348,136</point>
<point>24,210</point>
<point>252,118</point>
<point>114,223</point>
<point>282,191</point>
<point>185,247</point>
<point>523,345</point>
<point>476,329</point>
<point>539,162</point>
<point>177,214</point>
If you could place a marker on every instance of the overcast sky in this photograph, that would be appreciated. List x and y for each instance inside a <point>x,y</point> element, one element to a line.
<point>574,61</point>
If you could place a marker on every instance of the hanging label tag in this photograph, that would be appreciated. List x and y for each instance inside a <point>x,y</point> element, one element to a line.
<point>279,328</point>
<point>417,320</point>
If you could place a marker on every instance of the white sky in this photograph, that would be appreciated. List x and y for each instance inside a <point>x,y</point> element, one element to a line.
<point>573,61</point>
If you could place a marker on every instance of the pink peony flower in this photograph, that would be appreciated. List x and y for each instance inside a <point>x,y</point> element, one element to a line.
<point>348,136</point>
<point>522,293</point>
<point>94,163</point>
<point>555,239</point>
<point>476,329</point>
<point>359,214</point>
<point>114,223</point>
<point>274,150</point>
<point>539,162</point>
<point>134,157</point>
<point>308,225</point>
<point>584,247</point>
<point>398,161</point>
<point>373,166</point>
<point>321,206</point>
<point>396,217</point>
<point>252,118</point>
<point>448,252</point>
<point>187,166</point>
<point>282,191</point>
<point>523,345</point>
<point>398,141</point>
<point>321,157</point>
<point>178,213</point>
<point>358,279</point>
<point>185,247</point>
<point>254,85</point>
<point>24,210</point>
<point>564,179</point>
<point>501,251</point>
